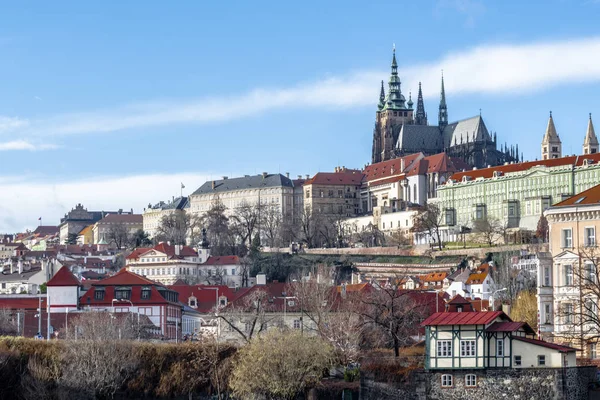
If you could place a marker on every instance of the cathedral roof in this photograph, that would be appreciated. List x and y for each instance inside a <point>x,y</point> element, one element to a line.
<point>417,138</point>
<point>466,131</point>
<point>551,135</point>
<point>590,136</point>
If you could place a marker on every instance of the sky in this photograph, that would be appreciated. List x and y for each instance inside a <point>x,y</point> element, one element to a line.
<point>115,104</point>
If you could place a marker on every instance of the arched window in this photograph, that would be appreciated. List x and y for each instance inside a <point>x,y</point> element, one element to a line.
<point>415,192</point>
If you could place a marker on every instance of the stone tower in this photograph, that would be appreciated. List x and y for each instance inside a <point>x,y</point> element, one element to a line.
<point>551,144</point>
<point>590,144</point>
<point>443,109</point>
<point>392,112</point>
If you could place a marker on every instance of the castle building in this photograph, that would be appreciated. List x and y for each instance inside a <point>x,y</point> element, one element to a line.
<point>551,144</point>
<point>400,131</point>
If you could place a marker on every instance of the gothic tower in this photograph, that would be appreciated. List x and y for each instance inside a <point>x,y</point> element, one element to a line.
<point>590,144</point>
<point>420,116</point>
<point>551,144</point>
<point>392,112</point>
<point>443,110</point>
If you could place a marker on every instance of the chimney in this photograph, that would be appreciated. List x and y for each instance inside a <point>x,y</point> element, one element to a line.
<point>224,178</point>
<point>299,176</point>
<point>213,184</point>
<point>120,211</point>
<point>264,175</point>
<point>177,249</point>
<point>287,174</point>
<point>307,177</point>
<point>402,165</point>
<point>20,266</point>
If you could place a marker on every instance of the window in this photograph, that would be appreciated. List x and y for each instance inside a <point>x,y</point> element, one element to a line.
<point>547,314</point>
<point>330,193</point>
<point>444,348</point>
<point>480,211</point>
<point>320,193</point>
<point>568,275</point>
<point>450,217</point>
<point>467,348</point>
<point>541,361</point>
<point>567,238</point>
<point>517,361</point>
<point>296,324</point>
<point>591,308</point>
<point>546,276</point>
<point>528,208</point>
<point>308,194</point>
<point>232,271</point>
<point>340,193</point>
<point>590,237</point>
<point>590,273</point>
<point>122,293</point>
<point>446,380</point>
<point>470,380</point>
<point>146,292</point>
<point>593,353</point>
<point>99,293</point>
<point>568,311</point>
<point>499,347</point>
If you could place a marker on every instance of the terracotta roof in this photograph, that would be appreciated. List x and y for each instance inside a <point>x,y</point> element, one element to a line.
<point>384,169</point>
<point>336,178</point>
<point>136,296</point>
<point>504,169</point>
<point>122,218</point>
<point>206,294</point>
<point>355,287</point>
<point>222,260</point>
<point>435,276</point>
<point>169,250</point>
<point>458,300</point>
<point>124,277</point>
<point>63,277</point>
<point>463,318</point>
<point>506,326</point>
<point>479,276</point>
<point>587,197</point>
<point>135,254</point>
<point>554,346</point>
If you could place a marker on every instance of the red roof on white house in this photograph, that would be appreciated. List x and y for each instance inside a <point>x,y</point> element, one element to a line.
<point>63,277</point>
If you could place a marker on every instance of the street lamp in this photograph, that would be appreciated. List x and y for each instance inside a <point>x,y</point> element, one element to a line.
<point>39,316</point>
<point>492,296</point>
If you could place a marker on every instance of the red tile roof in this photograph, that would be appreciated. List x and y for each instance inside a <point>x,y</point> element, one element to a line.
<point>63,277</point>
<point>435,277</point>
<point>136,253</point>
<point>206,294</point>
<point>504,169</point>
<point>587,197</point>
<point>336,178</point>
<point>169,250</point>
<point>440,163</point>
<point>463,318</point>
<point>222,260</point>
<point>554,346</point>
<point>506,326</point>
<point>386,169</point>
<point>124,277</point>
<point>458,300</point>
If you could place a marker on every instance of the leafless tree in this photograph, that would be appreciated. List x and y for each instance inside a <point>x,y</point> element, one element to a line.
<point>430,220</point>
<point>119,235</point>
<point>218,230</point>
<point>399,237</point>
<point>250,316</point>
<point>8,322</point>
<point>490,230</point>
<point>370,236</point>
<point>271,224</point>
<point>105,326</point>
<point>506,276</point>
<point>310,222</point>
<point>391,313</point>
<point>176,228</point>
<point>246,220</point>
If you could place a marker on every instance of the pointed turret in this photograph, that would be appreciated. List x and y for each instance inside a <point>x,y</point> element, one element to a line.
<point>410,103</point>
<point>443,110</point>
<point>517,152</point>
<point>590,144</point>
<point>551,144</point>
<point>381,98</point>
<point>420,117</point>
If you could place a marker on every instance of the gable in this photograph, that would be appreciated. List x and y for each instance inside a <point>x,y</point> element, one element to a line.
<point>566,255</point>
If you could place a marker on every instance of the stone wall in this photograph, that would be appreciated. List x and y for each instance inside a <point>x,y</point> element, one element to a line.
<point>492,384</point>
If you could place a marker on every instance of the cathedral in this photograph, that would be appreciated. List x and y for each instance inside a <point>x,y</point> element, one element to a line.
<point>399,130</point>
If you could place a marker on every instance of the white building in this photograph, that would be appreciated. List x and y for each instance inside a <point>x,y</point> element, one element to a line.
<point>153,215</point>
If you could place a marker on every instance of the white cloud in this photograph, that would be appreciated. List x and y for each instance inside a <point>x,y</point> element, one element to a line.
<point>25,145</point>
<point>470,9</point>
<point>23,202</point>
<point>492,69</point>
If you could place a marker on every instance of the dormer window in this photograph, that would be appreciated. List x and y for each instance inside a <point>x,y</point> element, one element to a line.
<point>193,302</point>
<point>99,293</point>
<point>459,309</point>
<point>123,293</point>
<point>146,292</point>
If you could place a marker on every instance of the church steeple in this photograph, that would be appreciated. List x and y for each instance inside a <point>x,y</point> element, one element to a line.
<point>395,100</point>
<point>590,144</point>
<point>443,110</point>
<point>551,144</point>
<point>420,117</point>
<point>381,98</point>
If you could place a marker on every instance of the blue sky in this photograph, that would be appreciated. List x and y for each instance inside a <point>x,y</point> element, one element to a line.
<point>113,104</point>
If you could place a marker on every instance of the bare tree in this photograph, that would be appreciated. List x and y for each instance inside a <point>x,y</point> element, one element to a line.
<point>506,276</point>
<point>8,322</point>
<point>430,220</point>
<point>218,230</point>
<point>370,236</point>
<point>271,224</point>
<point>119,235</point>
<point>310,222</point>
<point>525,308</point>
<point>106,326</point>
<point>246,219</point>
<point>249,316</point>
<point>489,229</point>
<point>174,228</point>
<point>391,313</point>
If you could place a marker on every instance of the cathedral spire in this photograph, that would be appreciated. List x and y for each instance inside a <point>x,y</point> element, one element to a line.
<point>443,110</point>
<point>590,144</point>
<point>420,117</point>
<point>395,100</point>
<point>551,144</point>
<point>381,98</point>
